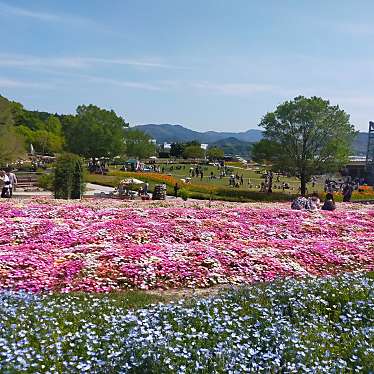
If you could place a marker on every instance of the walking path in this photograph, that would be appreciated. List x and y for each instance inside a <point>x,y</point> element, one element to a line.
<point>91,190</point>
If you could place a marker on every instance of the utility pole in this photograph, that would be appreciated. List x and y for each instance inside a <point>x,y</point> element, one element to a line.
<point>370,155</point>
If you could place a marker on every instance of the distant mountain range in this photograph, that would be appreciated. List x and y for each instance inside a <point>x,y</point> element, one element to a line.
<point>232,142</point>
<point>177,133</point>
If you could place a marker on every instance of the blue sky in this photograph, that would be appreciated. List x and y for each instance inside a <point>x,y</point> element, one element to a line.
<point>209,65</point>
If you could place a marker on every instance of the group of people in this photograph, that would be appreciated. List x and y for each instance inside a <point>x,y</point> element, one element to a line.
<point>8,183</point>
<point>236,180</point>
<point>313,203</point>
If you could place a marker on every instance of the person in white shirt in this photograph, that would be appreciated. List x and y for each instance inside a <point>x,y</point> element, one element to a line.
<point>5,191</point>
<point>13,181</point>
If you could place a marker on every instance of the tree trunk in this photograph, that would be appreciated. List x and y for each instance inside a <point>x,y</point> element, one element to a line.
<point>302,184</point>
<point>270,183</point>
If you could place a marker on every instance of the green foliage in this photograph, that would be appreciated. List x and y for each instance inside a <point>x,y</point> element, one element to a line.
<point>46,181</point>
<point>265,151</point>
<point>138,144</point>
<point>215,153</point>
<point>183,194</point>
<point>177,149</point>
<point>68,178</point>
<point>306,136</point>
<point>94,132</point>
<point>11,143</point>
<point>193,151</point>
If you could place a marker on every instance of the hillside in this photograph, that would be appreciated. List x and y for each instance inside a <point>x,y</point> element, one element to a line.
<point>33,124</point>
<point>360,144</point>
<point>177,133</point>
<point>233,146</point>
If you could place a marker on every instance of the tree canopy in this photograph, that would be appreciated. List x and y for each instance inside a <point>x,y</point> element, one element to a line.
<point>94,132</point>
<point>138,144</point>
<point>11,143</point>
<point>177,149</point>
<point>215,153</point>
<point>305,136</point>
<point>193,151</point>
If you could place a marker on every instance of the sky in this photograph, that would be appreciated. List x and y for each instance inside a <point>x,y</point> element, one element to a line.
<point>208,65</point>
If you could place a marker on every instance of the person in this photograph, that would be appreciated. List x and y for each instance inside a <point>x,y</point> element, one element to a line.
<point>5,184</point>
<point>329,203</point>
<point>176,188</point>
<point>299,203</point>
<point>347,193</point>
<point>313,202</point>
<point>145,189</point>
<point>13,181</point>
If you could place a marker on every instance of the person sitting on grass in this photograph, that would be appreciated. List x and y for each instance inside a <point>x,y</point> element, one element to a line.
<point>329,203</point>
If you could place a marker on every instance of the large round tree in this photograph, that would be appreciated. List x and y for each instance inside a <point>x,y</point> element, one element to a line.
<point>94,132</point>
<point>305,136</point>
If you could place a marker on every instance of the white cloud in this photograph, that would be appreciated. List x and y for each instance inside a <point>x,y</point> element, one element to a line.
<point>22,12</point>
<point>41,15</point>
<point>120,83</point>
<point>13,83</point>
<point>240,89</point>
<point>24,61</point>
<point>41,62</point>
<point>135,63</point>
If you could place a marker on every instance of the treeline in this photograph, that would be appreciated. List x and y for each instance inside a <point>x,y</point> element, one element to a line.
<point>193,150</point>
<point>91,132</point>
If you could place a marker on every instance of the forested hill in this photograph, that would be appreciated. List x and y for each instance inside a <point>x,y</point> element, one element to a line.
<point>51,133</point>
<point>177,133</point>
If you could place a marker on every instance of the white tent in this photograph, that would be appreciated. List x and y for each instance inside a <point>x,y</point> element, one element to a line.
<point>129,181</point>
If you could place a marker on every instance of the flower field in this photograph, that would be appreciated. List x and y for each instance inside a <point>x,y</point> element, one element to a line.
<point>319,325</point>
<point>102,246</point>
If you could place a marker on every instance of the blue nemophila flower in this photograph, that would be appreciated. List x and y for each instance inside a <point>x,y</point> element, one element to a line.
<point>316,325</point>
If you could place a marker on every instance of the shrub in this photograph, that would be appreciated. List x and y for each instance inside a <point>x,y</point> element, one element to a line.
<point>46,181</point>
<point>68,180</point>
<point>183,194</point>
<point>152,177</point>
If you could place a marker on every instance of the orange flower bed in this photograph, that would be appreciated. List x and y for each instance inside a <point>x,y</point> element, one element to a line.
<point>154,177</point>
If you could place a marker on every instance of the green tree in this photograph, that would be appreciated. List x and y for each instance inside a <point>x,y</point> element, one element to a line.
<point>11,142</point>
<point>53,125</point>
<point>265,151</point>
<point>94,132</point>
<point>68,181</point>
<point>306,136</point>
<point>215,153</point>
<point>47,142</point>
<point>193,151</point>
<point>138,144</point>
<point>177,149</point>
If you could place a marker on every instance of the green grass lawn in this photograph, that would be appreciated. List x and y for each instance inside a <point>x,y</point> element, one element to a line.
<point>219,188</point>
<point>251,177</point>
